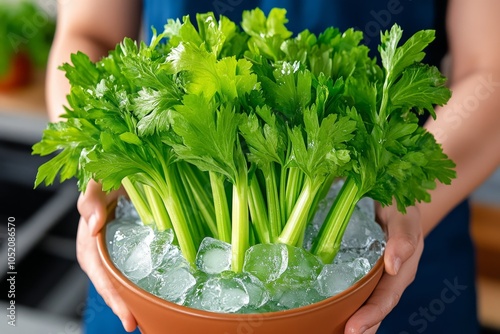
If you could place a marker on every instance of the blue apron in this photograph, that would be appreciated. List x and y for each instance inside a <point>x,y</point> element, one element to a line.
<point>442,298</point>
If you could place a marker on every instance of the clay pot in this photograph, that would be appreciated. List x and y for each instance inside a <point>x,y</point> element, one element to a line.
<point>19,73</point>
<point>157,316</point>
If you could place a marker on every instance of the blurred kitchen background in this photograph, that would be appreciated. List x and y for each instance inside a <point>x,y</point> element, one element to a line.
<point>50,286</point>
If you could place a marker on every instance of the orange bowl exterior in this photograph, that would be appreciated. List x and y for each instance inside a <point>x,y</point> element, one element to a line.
<point>157,316</point>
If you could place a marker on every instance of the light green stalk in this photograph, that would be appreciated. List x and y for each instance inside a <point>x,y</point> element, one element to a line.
<point>200,197</point>
<point>137,197</point>
<point>330,236</point>
<point>273,204</point>
<point>258,211</point>
<point>222,218</point>
<point>157,208</point>
<point>297,222</point>
<point>240,223</point>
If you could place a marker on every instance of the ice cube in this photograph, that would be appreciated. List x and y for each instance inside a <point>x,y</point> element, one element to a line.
<point>131,251</point>
<point>172,273</point>
<point>281,264</point>
<point>175,284</point>
<point>362,231</point>
<point>293,298</point>
<point>150,283</point>
<point>360,267</point>
<point>125,210</point>
<point>160,246</point>
<point>284,270</point>
<point>172,259</point>
<point>347,255</point>
<point>138,263</point>
<point>117,230</point>
<point>214,256</point>
<point>223,294</point>
<point>125,236</point>
<point>303,267</point>
<point>267,262</point>
<point>335,278</point>
<point>373,252</point>
<point>367,206</point>
<point>257,293</point>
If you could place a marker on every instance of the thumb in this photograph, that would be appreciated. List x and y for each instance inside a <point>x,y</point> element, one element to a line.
<point>92,207</point>
<point>404,233</point>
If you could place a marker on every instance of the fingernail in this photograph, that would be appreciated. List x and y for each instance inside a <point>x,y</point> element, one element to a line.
<point>92,224</point>
<point>397,265</point>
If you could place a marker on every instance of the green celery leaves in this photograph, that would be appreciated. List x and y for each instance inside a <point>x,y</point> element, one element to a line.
<point>238,133</point>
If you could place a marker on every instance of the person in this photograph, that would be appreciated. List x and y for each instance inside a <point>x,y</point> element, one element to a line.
<point>429,290</point>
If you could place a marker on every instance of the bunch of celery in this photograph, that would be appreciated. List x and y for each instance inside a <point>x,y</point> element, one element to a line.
<point>238,133</point>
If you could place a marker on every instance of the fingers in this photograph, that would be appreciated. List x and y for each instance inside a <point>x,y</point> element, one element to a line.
<point>404,235</point>
<point>383,299</point>
<point>89,260</point>
<point>402,254</point>
<point>92,205</point>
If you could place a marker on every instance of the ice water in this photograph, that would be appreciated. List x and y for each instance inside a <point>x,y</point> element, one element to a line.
<point>275,277</point>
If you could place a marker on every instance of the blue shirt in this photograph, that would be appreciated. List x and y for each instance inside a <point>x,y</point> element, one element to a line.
<point>370,16</point>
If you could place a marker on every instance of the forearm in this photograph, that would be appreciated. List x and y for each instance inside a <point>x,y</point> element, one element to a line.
<point>93,27</point>
<point>56,82</point>
<point>468,127</point>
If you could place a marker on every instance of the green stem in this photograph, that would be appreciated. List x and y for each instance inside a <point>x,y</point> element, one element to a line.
<point>323,191</point>
<point>273,205</point>
<point>200,197</point>
<point>183,234</point>
<point>167,187</point>
<point>157,208</point>
<point>222,218</point>
<point>282,195</point>
<point>293,188</point>
<point>258,211</point>
<point>188,204</point>
<point>297,222</point>
<point>240,224</point>
<point>134,192</point>
<point>330,236</point>
<point>385,100</point>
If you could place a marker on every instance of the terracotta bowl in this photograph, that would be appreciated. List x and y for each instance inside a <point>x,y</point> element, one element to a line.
<point>157,316</point>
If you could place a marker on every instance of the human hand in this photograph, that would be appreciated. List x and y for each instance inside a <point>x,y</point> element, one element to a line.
<point>402,253</point>
<point>92,207</point>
